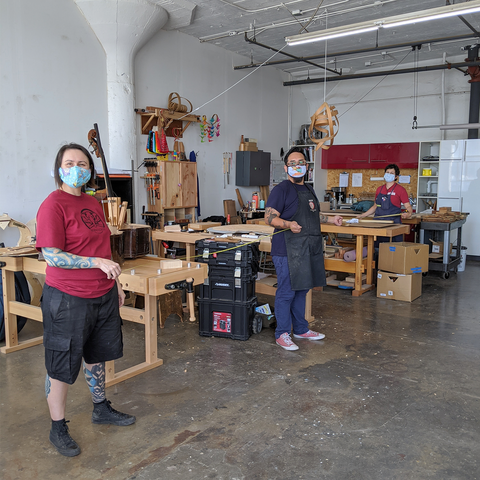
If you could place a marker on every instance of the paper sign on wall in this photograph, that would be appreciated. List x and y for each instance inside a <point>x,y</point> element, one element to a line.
<point>343,180</point>
<point>404,179</point>
<point>357,179</point>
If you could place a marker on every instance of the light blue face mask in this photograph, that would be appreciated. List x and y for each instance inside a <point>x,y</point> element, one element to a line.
<point>298,171</point>
<point>389,177</point>
<point>74,177</point>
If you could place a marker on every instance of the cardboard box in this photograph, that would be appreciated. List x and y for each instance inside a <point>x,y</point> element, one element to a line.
<point>324,206</point>
<point>251,147</point>
<point>394,286</point>
<point>403,257</point>
<point>437,247</point>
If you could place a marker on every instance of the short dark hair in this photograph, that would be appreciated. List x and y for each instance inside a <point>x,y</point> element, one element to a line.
<point>293,150</point>
<point>395,167</point>
<point>59,158</point>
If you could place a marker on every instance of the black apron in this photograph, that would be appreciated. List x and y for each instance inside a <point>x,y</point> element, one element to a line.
<point>384,211</point>
<point>305,249</point>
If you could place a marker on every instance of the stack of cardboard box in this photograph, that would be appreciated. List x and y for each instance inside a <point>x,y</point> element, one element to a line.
<point>400,268</point>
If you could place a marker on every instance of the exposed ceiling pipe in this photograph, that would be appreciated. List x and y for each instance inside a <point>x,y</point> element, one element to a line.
<point>382,74</point>
<point>474,72</point>
<point>284,23</point>
<point>359,51</point>
<point>263,9</point>
<point>122,28</point>
<point>254,42</point>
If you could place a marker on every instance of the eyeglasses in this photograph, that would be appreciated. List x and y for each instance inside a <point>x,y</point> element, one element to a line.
<point>300,163</point>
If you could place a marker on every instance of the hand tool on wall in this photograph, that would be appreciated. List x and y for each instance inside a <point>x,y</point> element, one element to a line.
<point>227,160</point>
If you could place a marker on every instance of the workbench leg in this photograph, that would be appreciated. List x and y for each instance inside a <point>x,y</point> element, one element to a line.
<point>11,329</point>
<point>190,251</point>
<point>446,249</point>
<point>358,263</point>
<point>308,307</point>
<point>109,371</point>
<point>370,244</point>
<point>150,328</point>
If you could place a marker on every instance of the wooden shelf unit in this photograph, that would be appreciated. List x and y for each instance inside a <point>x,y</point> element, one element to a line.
<point>175,185</point>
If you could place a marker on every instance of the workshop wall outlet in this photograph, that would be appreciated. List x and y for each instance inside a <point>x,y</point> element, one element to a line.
<point>394,286</point>
<point>403,257</point>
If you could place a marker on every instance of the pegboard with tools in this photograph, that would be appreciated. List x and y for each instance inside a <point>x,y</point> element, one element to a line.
<point>152,181</point>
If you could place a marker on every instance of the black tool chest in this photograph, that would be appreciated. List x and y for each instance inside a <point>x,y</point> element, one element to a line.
<point>227,298</point>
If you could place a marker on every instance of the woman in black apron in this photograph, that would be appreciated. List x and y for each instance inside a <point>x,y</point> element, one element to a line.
<point>384,209</point>
<point>303,266</point>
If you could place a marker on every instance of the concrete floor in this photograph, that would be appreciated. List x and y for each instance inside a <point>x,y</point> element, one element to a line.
<point>393,392</point>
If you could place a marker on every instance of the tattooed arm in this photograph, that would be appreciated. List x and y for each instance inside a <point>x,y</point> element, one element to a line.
<point>58,258</point>
<point>337,219</point>
<point>272,217</point>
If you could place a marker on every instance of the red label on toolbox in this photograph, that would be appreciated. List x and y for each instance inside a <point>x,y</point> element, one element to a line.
<point>222,322</point>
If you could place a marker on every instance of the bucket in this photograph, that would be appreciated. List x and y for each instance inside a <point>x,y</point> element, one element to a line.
<point>463,256</point>
<point>463,259</point>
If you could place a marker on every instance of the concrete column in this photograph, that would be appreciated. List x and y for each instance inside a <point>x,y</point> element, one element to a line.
<point>122,27</point>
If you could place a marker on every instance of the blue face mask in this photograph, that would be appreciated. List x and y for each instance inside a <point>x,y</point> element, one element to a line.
<point>389,177</point>
<point>74,177</point>
<point>298,171</point>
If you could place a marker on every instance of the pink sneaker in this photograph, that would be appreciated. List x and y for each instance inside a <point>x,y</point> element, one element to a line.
<point>310,335</point>
<point>286,342</point>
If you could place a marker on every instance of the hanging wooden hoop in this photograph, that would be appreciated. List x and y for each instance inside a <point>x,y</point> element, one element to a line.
<point>175,103</point>
<point>325,120</point>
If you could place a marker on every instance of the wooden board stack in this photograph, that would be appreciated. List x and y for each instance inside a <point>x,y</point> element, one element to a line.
<point>444,215</point>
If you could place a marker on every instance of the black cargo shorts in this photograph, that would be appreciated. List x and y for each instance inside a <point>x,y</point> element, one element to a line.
<point>75,327</point>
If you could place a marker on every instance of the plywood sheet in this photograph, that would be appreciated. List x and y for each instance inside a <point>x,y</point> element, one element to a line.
<point>201,226</point>
<point>243,229</point>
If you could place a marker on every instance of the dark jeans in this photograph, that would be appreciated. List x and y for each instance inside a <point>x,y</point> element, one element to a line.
<point>289,304</point>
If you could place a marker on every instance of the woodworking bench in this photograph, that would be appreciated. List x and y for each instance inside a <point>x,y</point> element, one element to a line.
<point>139,276</point>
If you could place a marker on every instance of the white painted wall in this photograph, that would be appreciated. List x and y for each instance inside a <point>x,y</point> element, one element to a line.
<point>257,107</point>
<point>52,91</point>
<point>385,114</point>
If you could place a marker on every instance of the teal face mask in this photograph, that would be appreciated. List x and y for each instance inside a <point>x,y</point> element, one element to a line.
<point>74,177</point>
<point>389,177</point>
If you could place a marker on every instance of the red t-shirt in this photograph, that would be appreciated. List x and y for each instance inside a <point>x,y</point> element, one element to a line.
<point>398,194</point>
<point>75,225</point>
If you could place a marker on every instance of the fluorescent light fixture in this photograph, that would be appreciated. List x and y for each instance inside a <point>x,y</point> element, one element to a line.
<point>457,9</point>
<point>332,33</point>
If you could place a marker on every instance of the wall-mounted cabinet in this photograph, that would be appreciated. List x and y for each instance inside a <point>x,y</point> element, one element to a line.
<point>252,168</point>
<point>375,155</point>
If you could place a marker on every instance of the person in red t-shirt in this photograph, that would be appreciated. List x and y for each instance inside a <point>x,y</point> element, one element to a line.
<point>388,202</point>
<point>81,297</point>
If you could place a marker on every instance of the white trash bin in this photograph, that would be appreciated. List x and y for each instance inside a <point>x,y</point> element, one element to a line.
<point>463,259</point>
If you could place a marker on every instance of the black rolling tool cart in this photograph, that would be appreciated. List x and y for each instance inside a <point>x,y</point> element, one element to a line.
<point>227,300</point>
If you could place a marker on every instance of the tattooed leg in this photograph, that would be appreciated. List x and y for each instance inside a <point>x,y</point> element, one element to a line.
<point>56,393</point>
<point>48,386</point>
<point>95,377</point>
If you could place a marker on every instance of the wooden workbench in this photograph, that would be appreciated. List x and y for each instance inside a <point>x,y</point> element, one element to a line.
<point>361,265</point>
<point>139,276</point>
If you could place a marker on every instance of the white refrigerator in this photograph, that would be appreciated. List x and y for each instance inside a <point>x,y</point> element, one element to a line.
<point>459,186</point>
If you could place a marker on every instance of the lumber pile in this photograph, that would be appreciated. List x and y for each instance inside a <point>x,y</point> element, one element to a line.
<point>444,215</point>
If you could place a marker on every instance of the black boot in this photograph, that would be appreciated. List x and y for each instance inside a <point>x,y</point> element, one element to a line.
<point>103,413</point>
<point>61,439</point>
